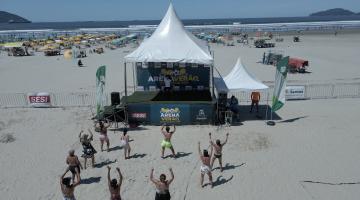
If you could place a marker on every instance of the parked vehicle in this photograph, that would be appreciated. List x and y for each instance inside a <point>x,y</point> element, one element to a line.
<point>298,65</point>
<point>261,43</point>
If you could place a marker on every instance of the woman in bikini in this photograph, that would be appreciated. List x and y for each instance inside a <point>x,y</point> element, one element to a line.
<point>205,167</point>
<point>102,127</point>
<point>162,185</point>
<point>125,144</point>
<point>218,150</point>
<point>88,150</point>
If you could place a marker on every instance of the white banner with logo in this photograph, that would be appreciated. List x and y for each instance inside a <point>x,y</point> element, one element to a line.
<point>295,92</point>
<point>39,100</point>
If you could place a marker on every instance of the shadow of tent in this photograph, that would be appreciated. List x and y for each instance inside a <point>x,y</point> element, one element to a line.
<point>245,114</point>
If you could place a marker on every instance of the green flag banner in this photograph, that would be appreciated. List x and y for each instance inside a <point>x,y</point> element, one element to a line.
<point>278,99</point>
<point>100,87</point>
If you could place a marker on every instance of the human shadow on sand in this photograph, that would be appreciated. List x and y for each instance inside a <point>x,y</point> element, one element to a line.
<point>115,148</point>
<point>104,163</point>
<point>229,166</point>
<point>90,180</point>
<point>137,155</point>
<point>177,155</point>
<point>220,180</point>
<point>182,154</point>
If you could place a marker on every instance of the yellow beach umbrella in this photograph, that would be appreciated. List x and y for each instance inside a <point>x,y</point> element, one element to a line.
<point>68,54</point>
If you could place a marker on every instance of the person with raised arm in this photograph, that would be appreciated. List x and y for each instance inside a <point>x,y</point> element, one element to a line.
<point>88,150</point>
<point>162,185</point>
<point>67,189</point>
<point>205,167</point>
<point>218,150</point>
<point>114,185</point>
<point>102,127</point>
<point>166,143</point>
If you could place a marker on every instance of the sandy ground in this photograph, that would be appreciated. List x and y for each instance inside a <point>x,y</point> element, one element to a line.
<point>314,140</point>
<point>310,143</point>
<point>332,59</point>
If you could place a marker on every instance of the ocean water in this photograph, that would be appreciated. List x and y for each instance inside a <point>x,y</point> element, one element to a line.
<point>187,22</point>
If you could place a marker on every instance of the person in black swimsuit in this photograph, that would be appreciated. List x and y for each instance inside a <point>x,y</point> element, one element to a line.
<point>74,164</point>
<point>88,150</point>
<point>162,185</point>
<point>218,150</point>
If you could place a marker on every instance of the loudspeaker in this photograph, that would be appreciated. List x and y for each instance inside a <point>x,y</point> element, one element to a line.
<point>115,98</point>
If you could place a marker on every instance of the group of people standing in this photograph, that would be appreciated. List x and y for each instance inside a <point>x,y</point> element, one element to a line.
<point>162,184</point>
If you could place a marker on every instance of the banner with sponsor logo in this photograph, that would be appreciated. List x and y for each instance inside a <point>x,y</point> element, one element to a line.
<point>170,114</point>
<point>295,92</point>
<point>278,99</point>
<point>201,113</point>
<point>181,76</point>
<point>39,100</point>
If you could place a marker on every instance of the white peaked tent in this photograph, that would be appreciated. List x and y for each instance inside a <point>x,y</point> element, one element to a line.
<point>240,79</point>
<point>171,43</point>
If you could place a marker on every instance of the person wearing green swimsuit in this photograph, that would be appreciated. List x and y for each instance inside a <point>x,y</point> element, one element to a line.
<point>166,143</point>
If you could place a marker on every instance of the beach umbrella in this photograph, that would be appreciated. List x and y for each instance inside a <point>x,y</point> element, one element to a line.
<point>12,44</point>
<point>68,54</point>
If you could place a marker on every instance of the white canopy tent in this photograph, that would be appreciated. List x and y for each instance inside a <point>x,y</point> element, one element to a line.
<point>171,43</point>
<point>239,79</point>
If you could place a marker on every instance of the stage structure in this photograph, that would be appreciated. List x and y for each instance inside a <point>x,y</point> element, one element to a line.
<point>171,52</point>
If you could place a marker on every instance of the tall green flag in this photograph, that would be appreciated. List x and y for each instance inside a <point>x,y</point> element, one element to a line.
<point>278,99</point>
<point>100,87</point>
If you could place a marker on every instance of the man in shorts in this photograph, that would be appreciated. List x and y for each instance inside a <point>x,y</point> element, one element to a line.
<point>166,143</point>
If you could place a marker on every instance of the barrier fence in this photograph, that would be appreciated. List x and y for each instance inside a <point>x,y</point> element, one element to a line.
<point>80,99</point>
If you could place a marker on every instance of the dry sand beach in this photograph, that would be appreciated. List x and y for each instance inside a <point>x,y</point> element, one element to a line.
<point>314,141</point>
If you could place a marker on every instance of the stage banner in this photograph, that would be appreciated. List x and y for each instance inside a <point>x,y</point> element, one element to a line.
<point>181,76</point>
<point>278,99</point>
<point>201,113</point>
<point>100,87</point>
<point>170,114</point>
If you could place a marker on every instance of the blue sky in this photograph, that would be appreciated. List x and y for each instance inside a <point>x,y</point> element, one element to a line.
<point>103,10</point>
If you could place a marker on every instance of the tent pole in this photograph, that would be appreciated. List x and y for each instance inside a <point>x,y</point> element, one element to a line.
<point>125,77</point>
<point>125,99</point>
<point>212,75</point>
<point>133,71</point>
<point>267,105</point>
